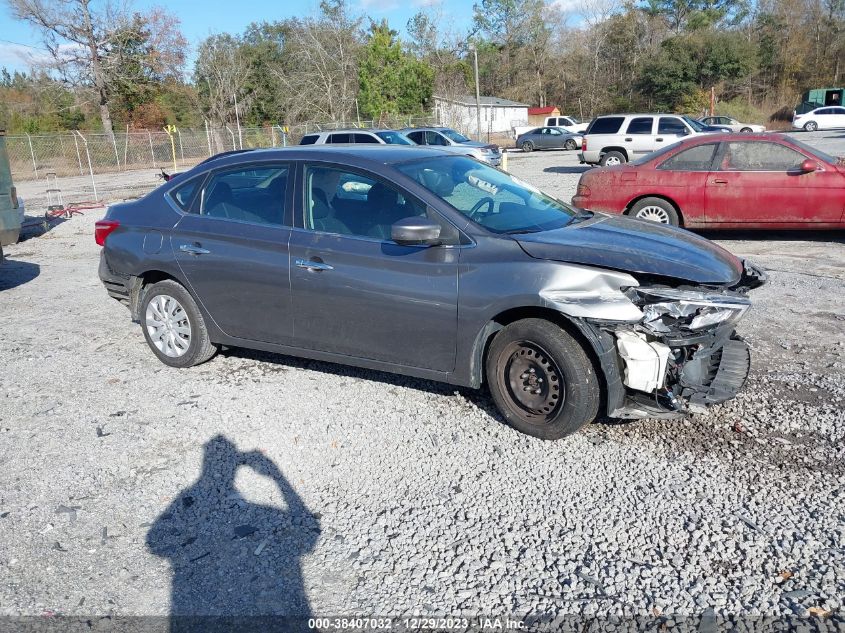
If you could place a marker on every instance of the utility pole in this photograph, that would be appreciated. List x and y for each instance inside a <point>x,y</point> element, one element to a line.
<point>238,121</point>
<point>474,50</point>
<point>712,101</point>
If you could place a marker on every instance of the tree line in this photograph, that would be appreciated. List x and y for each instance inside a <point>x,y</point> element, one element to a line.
<point>106,67</point>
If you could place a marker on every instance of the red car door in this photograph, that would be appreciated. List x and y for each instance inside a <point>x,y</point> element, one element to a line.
<point>760,184</point>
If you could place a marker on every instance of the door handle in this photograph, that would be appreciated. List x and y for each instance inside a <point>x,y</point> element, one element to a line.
<point>659,139</point>
<point>628,140</point>
<point>193,249</point>
<point>719,181</point>
<point>312,265</point>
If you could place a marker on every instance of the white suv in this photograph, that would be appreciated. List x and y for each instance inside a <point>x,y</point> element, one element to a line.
<point>356,136</point>
<point>618,138</point>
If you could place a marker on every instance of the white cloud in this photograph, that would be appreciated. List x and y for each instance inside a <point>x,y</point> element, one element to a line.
<point>427,3</point>
<point>378,6</point>
<point>19,56</point>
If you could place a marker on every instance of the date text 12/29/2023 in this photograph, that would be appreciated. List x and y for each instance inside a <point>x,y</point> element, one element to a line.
<point>415,623</point>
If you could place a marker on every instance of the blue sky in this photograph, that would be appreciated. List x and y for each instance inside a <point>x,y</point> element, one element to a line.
<point>201,18</point>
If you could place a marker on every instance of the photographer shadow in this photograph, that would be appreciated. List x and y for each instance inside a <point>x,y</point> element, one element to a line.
<point>235,560</point>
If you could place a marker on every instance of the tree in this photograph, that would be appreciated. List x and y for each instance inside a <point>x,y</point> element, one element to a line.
<point>392,81</point>
<point>220,74</point>
<point>83,43</point>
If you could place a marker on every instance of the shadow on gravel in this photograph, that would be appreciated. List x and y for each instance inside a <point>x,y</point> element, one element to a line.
<point>579,169</point>
<point>36,226</point>
<point>15,273</point>
<point>231,557</point>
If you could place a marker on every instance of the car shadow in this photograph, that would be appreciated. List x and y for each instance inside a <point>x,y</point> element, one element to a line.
<point>782,235</point>
<point>579,169</point>
<point>36,226</point>
<point>231,557</point>
<point>14,273</point>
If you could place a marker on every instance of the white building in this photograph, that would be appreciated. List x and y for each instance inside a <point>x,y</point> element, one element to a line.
<point>497,115</point>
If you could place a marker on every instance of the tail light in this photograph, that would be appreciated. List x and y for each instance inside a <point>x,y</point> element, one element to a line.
<point>14,194</point>
<point>104,228</point>
<point>583,191</point>
<point>584,144</point>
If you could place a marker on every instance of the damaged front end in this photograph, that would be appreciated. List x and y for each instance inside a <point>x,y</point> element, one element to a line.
<point>682,355</point>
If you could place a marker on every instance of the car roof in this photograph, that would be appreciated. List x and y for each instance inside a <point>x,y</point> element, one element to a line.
<point>354,129</point>
<point>641,114</point>
<point>383,154</point>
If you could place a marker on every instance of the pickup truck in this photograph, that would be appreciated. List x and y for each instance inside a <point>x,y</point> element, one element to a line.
<point>567,123</point>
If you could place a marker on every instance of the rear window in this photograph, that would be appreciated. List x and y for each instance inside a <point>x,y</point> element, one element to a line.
<point>308,139</point>
<point>606,125</point>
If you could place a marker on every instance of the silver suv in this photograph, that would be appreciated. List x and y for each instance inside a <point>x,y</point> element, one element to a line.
<point>356,136</point>
<point>618,138</point>
<point>453,141</point>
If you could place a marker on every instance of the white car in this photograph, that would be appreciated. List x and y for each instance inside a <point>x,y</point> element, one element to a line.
<point>733,124</point>
<point>826,118</point>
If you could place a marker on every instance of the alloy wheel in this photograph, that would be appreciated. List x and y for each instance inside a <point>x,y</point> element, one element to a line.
<point>168,326</point>
<point>653,213</point>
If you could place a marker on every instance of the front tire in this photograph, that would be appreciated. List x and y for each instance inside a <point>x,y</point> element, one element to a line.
<point>173,326</point>
<point>527,146</point>
<point>541,379</point>
<point>612,159</point>
<point>811,126</point>
<point>655,210</point>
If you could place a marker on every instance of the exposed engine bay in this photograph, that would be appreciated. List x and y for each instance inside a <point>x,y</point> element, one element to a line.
<point>683,354</point>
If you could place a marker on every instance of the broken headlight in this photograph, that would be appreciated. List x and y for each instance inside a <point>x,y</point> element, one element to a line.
<point>671,309</point>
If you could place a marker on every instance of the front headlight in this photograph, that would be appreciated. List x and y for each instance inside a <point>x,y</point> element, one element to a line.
<point>667,309</point>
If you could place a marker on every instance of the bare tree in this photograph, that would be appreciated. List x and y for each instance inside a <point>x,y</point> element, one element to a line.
<point>83,42</point>
<point>220,75</point>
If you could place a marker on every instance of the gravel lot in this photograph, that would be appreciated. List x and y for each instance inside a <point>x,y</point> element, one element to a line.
<point>361,492</point>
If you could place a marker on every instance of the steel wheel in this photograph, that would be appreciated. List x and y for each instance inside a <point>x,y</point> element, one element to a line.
<point>168,326</point>
<point>654,214</point>
<point>532,380</point>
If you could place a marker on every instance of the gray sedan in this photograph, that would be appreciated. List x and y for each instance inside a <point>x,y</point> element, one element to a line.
<point>548,138</point>
<point>421,262</point>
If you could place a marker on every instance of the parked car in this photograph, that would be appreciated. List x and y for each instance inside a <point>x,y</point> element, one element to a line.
<point>10,208</point>
<point>828,118</point>
<point>355,136</point>
<point>430,264</point>
<point>731,124</point>
<point>749,181</point>
<point>453,141</point>
<point>548,138</point>
<point>567,123</point>
<point>619,138</point>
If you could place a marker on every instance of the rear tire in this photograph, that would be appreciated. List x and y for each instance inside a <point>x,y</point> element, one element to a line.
<point>570,144</point>
<point>613,158</point>
<point>811,126</point>
<point>527,146</point>
<point>655,210</point>
<point>746,130</point>
<point>173,326</point>
<point>541,379</point>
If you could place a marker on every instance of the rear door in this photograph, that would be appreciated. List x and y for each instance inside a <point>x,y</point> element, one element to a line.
<point>356,292</point>
<point>232,247</point>
<point>760,183</point>
<point>639,137</point>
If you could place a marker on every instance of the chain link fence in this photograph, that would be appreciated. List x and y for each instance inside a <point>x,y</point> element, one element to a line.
<point>41,156</point>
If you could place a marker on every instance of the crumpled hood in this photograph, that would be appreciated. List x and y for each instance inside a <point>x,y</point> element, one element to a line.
<point>636,246</point>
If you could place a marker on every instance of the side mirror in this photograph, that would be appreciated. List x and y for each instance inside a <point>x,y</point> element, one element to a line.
<point>808,166</point>
<point>416,231</point>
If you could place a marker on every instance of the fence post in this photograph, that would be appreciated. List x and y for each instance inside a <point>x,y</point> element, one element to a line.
<point>170,129</point>
<point>181,149</point>
<point>116,155</point>
<point>152,153</point>
<point>32,153</point>
<point>78,156</point>
<point>273,135</point>
<point>126,147</point>
<point>90,168</point>
<point>234,145</point>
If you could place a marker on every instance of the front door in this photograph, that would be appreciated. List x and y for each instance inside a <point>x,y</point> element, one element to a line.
<point>232,248</point>
<point>761,182</point>
<point>357,293</point>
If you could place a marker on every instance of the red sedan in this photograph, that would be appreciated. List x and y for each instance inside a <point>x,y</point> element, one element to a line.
<point>724,181</point>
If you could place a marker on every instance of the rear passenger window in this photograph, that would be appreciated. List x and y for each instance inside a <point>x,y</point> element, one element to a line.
<point>252,194</point>
<point>696,158</point>
<point>340,138</point>
<point>183,195</point>
<point>641,125</point>
<point>363,138</point>
<point>433,138</point>
<point>308,139</point>
<point>416,137</point>
<point>606,125</point>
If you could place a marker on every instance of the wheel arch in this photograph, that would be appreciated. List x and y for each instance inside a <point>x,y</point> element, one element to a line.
<point>574,327</point>
<point>661,196</point>
<point>613,148</point>
<point>138,283</point>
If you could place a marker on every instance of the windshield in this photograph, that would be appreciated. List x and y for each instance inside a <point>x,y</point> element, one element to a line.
<point>815,152</point>
<point>695,125</point>
<point>455,136</point>
<point>394,138</point>
<point>495,200</point>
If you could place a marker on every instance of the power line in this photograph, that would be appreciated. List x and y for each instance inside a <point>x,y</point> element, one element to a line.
<point>38,48</point>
